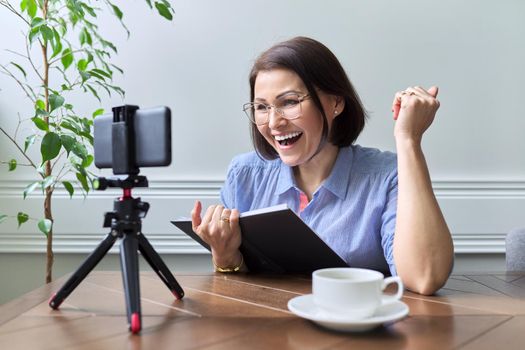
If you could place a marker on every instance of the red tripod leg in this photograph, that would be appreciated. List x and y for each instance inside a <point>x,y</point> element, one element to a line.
<point>135,323</point>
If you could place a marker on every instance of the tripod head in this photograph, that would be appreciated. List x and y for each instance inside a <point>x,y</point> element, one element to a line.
<point>102,183</point>
<point>125,207</point>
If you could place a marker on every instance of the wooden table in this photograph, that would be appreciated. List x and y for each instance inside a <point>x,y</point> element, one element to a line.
<point>473,311</point>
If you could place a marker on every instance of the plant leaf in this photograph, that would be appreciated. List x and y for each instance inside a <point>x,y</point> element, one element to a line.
<point>42,169</point>
<point>47,33</point>
<point>29,141</point>
<point>21,218</point>
<point>88,136</point>
<point>85,76</point>
<point>117,11</point>
<point>40,104</point>
<point>20,68</point>
<point>31,8</point>
<point>86,124</point>
<point>117,89</point>
<point>37,22</point>
<point>12,164</point>
<point>67,58</point>
<point>118,68</point>
<point>34,32</point>
<point>63,26</point>
<point>83,181</point>
<point>101,72</point>
<point>89,56</point>
<point>2,218</point>
<point>94,92</point>
<point>50,146</point>
<point>41,113</point>
<point>82,37</point>
<point>55,101</point>
<point>44,226</point>
<point>48,181</point>
<point>85,38</point>
<point>30,188</point>
<point>164,11</point>
<point>98,112</point>
<point>69,188</point>
<point>89,9</point>
<point>82,64</point>
<point>80,150</point>
<point>87,162</point>
<point>57,45</point>
<point>88,38</point>
<point>109,44</point>
<point>96,75</point>
<point>68,142</point>
<point>103,85</point>
<point>69,126</point>
<point>40,123</point>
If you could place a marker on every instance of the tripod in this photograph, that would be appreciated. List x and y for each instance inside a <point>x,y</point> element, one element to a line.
<point>125,221</point>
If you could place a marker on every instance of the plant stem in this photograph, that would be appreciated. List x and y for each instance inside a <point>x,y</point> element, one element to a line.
<point>8,72</point>
<point>49,247</point>
<point>31,61</point>
<point>49,191</point>
<point>10,7</point>
<point>17,146</point>
<point>17,164</point>
<point>60,57</point>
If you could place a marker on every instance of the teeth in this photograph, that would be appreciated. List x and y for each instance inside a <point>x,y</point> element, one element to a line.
<point>288,136</point>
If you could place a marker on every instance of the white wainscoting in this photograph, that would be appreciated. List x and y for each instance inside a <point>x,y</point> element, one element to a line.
<point>479,214</point>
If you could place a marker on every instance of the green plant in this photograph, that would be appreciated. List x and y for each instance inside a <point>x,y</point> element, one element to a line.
<point>65,54</point>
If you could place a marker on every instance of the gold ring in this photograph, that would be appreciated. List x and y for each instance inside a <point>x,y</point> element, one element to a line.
<point>225,219</point>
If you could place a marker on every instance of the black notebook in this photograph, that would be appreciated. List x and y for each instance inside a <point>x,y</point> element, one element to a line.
<point>275,239</point>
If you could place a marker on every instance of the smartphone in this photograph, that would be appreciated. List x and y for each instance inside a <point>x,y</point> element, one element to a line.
<point>152,134</point>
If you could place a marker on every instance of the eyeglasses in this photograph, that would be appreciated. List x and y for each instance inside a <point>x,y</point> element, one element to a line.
<point>288,107</point>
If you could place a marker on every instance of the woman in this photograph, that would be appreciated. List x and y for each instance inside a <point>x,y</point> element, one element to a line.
<point>375,209</point>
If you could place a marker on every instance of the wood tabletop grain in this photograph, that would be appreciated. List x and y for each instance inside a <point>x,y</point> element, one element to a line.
<point>244,311</point>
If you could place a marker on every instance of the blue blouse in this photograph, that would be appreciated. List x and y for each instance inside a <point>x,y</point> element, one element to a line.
<point>353,210</point>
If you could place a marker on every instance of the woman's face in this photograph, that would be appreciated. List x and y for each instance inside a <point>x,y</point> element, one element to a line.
<point>297,140</point>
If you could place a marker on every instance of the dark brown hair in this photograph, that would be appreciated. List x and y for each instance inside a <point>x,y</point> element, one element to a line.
<point>318,68</point>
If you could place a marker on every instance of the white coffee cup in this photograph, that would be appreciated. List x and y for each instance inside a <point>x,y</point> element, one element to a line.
<point>352,293</point>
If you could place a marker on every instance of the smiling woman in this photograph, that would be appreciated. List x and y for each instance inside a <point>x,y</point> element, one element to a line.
<point>375,209</point>
<point>297,140</point>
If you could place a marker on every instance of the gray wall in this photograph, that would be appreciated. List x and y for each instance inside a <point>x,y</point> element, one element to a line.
<point>198,65</point>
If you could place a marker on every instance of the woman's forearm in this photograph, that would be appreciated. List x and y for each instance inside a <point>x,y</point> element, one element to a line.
<point>423,248</point>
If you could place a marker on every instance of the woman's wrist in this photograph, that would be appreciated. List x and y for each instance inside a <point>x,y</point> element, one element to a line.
<point>407,143</point>
<point>407,137</point>
<point>228,264</point>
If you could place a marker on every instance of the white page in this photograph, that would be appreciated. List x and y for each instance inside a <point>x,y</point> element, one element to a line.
<point>274,208</point>
<point>277,207</point>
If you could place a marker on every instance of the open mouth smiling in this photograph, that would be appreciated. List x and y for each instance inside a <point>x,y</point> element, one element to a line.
<point>288,139</point>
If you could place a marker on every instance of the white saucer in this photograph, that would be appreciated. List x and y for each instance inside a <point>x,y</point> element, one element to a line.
<point>304,306</point>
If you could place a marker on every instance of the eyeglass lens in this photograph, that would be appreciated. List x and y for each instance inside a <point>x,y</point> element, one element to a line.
<point>288,106</point>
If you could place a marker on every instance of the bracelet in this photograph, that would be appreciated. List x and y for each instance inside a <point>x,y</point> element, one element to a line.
<point>228,269</point>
